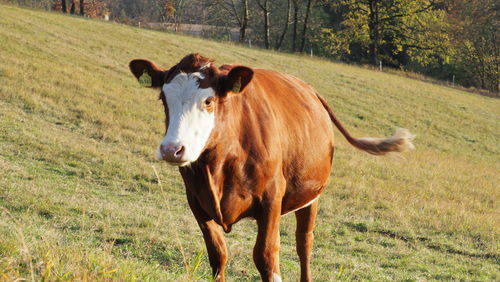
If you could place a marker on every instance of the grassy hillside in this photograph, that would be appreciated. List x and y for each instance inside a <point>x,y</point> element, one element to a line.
<point>80,197</point>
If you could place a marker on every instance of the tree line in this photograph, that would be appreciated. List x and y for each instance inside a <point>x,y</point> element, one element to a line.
<point>446,39</point>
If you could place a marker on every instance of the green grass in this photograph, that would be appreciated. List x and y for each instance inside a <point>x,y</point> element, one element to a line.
<point>79,197</point>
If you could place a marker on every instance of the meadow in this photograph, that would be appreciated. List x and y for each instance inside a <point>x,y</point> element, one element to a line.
<point>82,196</point>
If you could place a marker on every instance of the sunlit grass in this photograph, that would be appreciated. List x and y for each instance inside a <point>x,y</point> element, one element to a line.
<point>80,199</point>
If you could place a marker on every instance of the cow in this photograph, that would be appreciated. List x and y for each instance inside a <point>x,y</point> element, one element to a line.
<point>250,143</point>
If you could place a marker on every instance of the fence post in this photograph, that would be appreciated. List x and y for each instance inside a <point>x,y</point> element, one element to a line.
<point>249,42</point>
<point>139,24</point>
<point>453,81</point>
<point>380,67</point>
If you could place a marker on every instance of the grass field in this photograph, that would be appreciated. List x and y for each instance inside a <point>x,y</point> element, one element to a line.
<point>80,199</point>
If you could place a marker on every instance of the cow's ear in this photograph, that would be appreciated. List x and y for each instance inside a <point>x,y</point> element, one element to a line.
<point>237,79</point>
<point>147,73</point>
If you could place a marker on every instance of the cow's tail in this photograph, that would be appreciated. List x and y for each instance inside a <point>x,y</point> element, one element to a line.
<point>399,142</point>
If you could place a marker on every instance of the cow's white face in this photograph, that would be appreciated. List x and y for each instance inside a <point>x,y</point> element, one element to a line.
<point>190,119</point>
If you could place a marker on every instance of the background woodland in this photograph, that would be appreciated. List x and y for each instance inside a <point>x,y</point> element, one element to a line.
<point>449,40</point>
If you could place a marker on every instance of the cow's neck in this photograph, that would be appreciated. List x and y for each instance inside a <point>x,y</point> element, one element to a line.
<point>211,167</point>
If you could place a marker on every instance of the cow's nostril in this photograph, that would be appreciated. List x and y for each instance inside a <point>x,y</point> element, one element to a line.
<point>179,152</point>
<point>172,152</point>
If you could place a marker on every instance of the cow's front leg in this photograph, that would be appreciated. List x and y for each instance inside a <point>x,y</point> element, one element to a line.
<point>266,250</point>
<point>214,239</point>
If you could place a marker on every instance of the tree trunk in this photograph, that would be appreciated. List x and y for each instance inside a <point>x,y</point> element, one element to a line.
<point>82,8</point>
<point>178,15</point>
<point>265,9</point>
<point>266,24</point>
<point>244,22</point>
<point>280,41</point>
<point>295,23</point>
<point>306,18</point>
<point>72,7</point>
<point>374,32</point>
<point>63,6</point>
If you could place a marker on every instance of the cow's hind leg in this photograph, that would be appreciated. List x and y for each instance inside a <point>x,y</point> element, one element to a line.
<point>304,238</point>
<point>214,240</point>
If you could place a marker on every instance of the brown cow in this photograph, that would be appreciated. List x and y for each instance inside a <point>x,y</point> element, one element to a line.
<point>250,143</point>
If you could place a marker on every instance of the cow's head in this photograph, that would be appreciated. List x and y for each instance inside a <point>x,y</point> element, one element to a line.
<point>191,92</point>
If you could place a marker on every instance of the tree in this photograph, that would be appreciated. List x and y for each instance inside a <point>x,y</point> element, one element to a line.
<point>304,29</point>
<point>168,10</point>
<point>295,23</point>
<point>264,6</point>
<point>72,7</point>
<point>390,30</point>
<point>82,8</point>
<point>240,12</point>
<point>95,8</point>
<point>63,6</point>
<point>279,41</point>
<point>474,28</point>
<point>244,20</point>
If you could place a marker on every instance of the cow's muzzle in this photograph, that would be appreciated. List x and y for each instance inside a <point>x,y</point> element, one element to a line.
<point>173,153</point>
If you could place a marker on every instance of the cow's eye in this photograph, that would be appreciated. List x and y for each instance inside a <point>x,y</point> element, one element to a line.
<point>209,101</point>
<point>208,104</point>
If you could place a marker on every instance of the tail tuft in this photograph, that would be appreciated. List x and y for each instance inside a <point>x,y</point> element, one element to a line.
<point>399,142</point>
